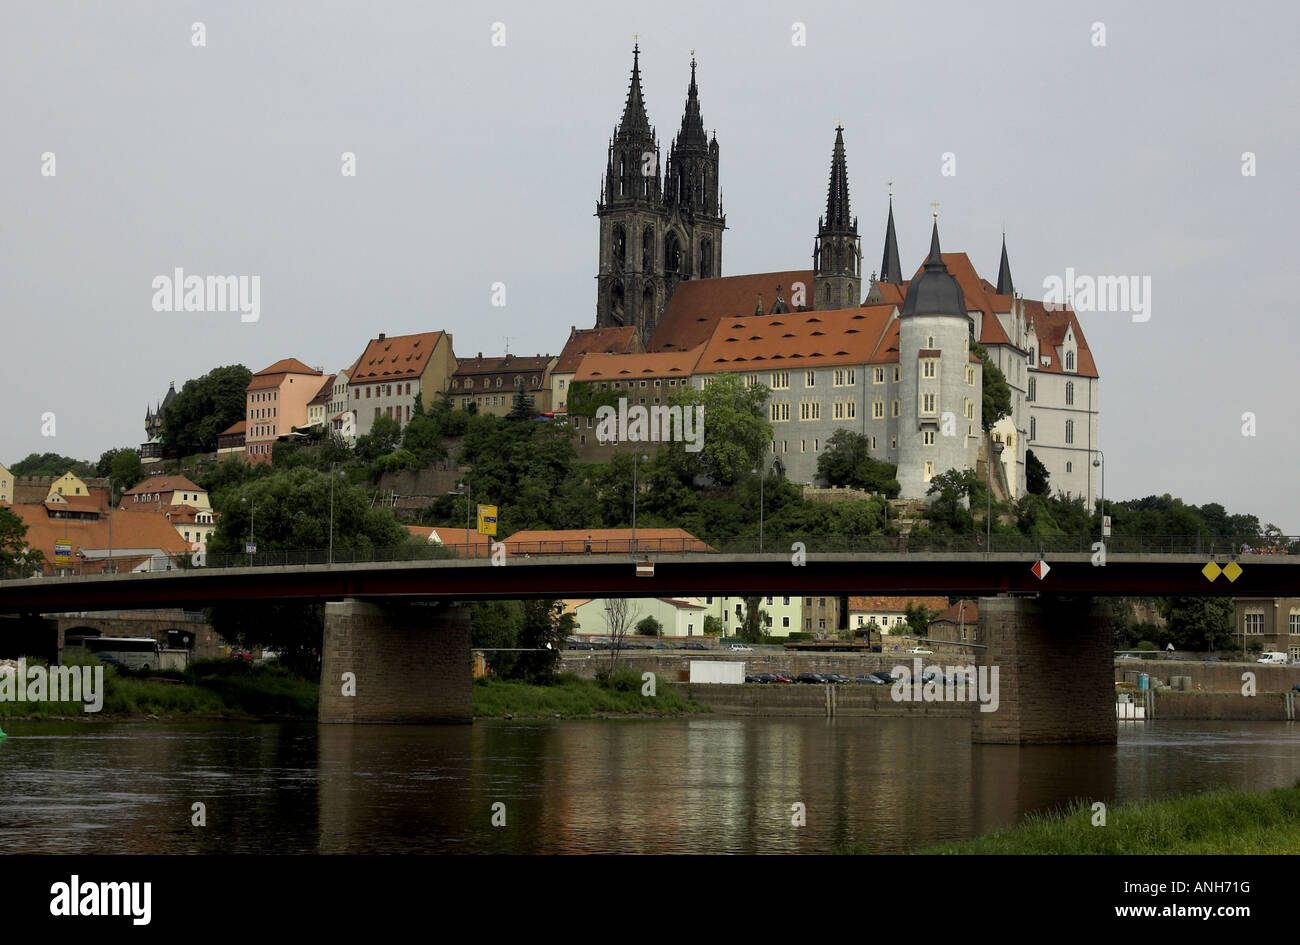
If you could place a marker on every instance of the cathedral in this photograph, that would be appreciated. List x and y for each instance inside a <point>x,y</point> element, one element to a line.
<point>895,364</point>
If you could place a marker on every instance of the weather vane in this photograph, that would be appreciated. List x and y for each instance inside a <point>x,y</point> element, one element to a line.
<point>936,209</point>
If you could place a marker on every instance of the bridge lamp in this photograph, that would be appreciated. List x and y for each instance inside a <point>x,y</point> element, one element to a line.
<point>643,458</point>
<point>252,515</point>
<point>467,491</point>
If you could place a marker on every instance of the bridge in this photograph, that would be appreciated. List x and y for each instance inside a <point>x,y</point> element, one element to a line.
<point>1043,627</point>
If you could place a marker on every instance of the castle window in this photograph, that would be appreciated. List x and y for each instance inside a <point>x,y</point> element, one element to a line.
<point>1069,467</point>
<point>929,470</point>
<point>706,259</point>
<point>1069,392</point>
<point>898,372</point>
<point>809,378</point>
<point>897,406</point>
<point>927,403</point>
<point>1069,360</point>
<point>927,368</point>
<point>893,442</point>
<point>1069,431</point>
<point>878,376</point>
<point>1033,428</point>
<point>1033,389</point>
<point>877,410</point>
<point>927,438</point>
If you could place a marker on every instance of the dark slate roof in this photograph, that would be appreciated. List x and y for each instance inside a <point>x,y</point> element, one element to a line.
<point>935,291</point>
<point>1005,286</point>
<point>890,268</point>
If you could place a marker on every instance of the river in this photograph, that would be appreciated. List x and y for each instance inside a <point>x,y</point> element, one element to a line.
<point>680,785</point>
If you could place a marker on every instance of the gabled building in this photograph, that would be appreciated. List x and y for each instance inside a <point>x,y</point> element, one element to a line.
<point>6,486</point>
<point>318,406</point>
<point>277,399</point>
<point>622,340</point>
<point>889,613</point>
<point>392,372</point>
<point>177,500</point>
<point>490,384</point>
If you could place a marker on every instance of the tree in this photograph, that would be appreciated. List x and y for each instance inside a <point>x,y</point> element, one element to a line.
<point>104,468</point>
<point>950,507</point>
<point>1198,623</point>
<point>619,615</point>
<point>16,559</point>
<point>384,436</point>
<point>714,626</point>
<point>204,407</point>
<point>996,392</point>
<point>733,435</point>
<point>542,634</point>
<point>649,627</point>
<point>125,470</point>
<point>754,623</point>
<point>51,464</point>
<point>847,461</point>
<point>918,618</point>
<point>521,407</point>
<point>1036,475</point>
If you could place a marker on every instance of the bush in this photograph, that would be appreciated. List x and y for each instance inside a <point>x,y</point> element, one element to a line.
<point>619,679</point>
<point>1145,645</point>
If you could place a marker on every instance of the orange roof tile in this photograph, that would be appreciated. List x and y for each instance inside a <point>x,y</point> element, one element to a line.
<point>895,604</point>
<point>797,340</point>
<point>387,359</point>
<point>624,340</point>
<point>1049,327</point>
<point>129,532</point>
<point>962,611</point>
<point>163,485</point>
<point>622,367</point>
<point>697,305</point>
<point>287,366</point>
<point>323,395</point>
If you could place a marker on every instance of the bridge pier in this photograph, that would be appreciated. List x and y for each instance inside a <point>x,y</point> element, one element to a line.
<point>1055,672</point>
<point>407,663</point>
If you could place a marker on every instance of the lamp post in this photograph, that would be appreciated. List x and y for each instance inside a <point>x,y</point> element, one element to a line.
<point>333,474</point>
<point>635,457</point>
<point>762,474</point>
<point>1100,462</point>
<point>988,496</point>
<point>252,516</point>
<point>468,493</point>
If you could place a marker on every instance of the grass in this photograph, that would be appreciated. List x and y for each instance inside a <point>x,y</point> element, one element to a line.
<point>1221,822</point>
<point>208,688</point>
<point>574,697</point>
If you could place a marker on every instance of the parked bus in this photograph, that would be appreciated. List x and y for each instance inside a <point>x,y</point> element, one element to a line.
<point>131,652</point>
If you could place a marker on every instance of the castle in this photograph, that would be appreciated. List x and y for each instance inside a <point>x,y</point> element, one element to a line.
<point>895,365</point>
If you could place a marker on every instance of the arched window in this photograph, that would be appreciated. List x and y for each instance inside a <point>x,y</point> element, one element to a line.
<point>1033,428</point>
<point>648,249</point>
<point>1033,389</point>
<point>672,254</point>
<point>1069,392</point>
<point>1069,431</point>
<point>827,295</point>
<point>706,259</point>
<point>622,175</point>
<point>1069,360</point>
<point>619,246</point>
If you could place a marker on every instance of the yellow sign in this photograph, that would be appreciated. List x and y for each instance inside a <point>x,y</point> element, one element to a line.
<point>1211,571</point>
<point>487,520</point>
<point>1232,571</point>
<point>62,553</point>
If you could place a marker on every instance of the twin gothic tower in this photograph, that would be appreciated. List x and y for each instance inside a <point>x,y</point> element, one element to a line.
<point>658,229</point>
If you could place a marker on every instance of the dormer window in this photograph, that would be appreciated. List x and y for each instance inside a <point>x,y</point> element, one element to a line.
<point>1069,360</point>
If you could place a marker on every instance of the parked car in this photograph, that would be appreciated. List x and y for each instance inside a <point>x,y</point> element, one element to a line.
<point>696,646</point>
<point>1176,656</point>
<point>921,651</point>
<point>810,678</point>
<point>580,645</point>
<point>836,678</point>
<point>887,678</point>
<point>1214,659</point>
<point>661,646</point>
<point>869,679</point>
<point>1128,656</point>
<point>1274,657</point>
<point>764,678</point>
<point>780,677</point>
<point>741,648</point>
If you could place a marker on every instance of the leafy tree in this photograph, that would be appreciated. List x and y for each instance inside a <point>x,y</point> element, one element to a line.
<point>996,392</point>
<point>204,407</point>
<point>543,630</point>
<point>422,438</point>
<point>1198,623</point>
<point>1036,475</point>
<point>125,470</point>
<point>648,626</point>
<point>384,436</point>
<point>714,626</point>
<point>950,507</point>
<point>521,407</point>
<point>847,461</point>
<point>734,432</point>
<point>918,618</point>
<point>16,559</point>
<point>104,468</point>
<point>754,623</point>
<point>494,625</point>
<point>51,464</point>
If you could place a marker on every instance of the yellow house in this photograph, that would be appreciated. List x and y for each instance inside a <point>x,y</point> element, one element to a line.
<point>6,486</point>
<point>67,484</point>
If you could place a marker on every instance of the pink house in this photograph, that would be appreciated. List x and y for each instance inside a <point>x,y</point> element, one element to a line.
<point>277,402</point>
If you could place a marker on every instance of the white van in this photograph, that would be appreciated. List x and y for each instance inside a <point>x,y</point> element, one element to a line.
<point>1271,658</point>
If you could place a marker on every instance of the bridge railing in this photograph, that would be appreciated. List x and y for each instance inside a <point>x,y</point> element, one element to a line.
<point>1245,549</point>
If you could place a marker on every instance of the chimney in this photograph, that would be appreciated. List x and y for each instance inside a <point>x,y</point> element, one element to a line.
<point>480,355</point>
<point>382,336</point>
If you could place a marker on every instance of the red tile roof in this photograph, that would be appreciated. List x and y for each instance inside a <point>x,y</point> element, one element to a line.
<point>237,427</point>
<point>323,395</point>
<point>697,305</point>
<point>398,357</point>
<point>164,484</point>
<point>622,367</point>
<point>1050,326</point>
<point>798,340</point>
<point>624,340</point>
<point>960,612</point>
<point>895,604</point>
<point>129,532</point>
<point>480,546</point>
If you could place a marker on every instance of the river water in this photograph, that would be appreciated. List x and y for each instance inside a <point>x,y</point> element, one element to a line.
<point>679,785</point>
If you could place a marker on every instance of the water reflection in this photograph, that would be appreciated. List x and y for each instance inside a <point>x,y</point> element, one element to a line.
<point>689,785</point>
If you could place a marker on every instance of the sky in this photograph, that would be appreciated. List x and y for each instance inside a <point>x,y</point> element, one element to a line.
<point>1107,138</point>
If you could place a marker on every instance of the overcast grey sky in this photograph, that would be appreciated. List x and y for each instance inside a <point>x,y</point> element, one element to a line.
<point>479,163</point>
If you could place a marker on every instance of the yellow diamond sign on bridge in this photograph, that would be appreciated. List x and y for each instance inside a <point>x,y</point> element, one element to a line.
<point>1211,571</point>
<point>1232,571</point>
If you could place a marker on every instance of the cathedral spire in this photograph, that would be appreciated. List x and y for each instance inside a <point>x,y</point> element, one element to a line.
<point>890,268</point>
<point>837,192</point>
<point>1005,286</point>
<point>692,133</point>
<point>634,118</point>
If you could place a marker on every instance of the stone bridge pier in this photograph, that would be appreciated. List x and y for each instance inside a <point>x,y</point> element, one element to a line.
<point>1056,671</point>
<point>396,663</point>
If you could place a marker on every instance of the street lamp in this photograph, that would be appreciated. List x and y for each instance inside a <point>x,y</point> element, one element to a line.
<point>762,474</point>
<point>1100,461</point>
<point>468,493</point>
<point>252,516</point>
<point>988,496</point>
<point>643,458</point>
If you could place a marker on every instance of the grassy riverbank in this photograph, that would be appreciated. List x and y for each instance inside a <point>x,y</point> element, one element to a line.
<point>209,689</point>
<point>1213,822</point>
<point>574,697</point>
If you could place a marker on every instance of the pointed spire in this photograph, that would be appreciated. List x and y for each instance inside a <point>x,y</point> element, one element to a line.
<point>935,260</point>
<point>838,217</point>
<point>759,309</point>
<point>634,115</point>
<point>1005,286</point>
<point>692,130</point>
<point>890,268</point>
